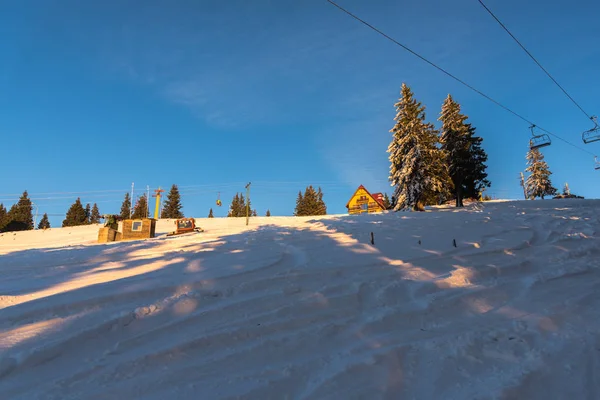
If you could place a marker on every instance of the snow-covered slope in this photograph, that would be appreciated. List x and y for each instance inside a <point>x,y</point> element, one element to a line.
<point>308,308</point>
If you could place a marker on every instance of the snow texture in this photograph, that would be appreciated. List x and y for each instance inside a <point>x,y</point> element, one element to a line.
<point>308,308</point>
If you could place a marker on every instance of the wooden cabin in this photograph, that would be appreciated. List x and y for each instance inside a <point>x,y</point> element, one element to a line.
<point>364,202</point>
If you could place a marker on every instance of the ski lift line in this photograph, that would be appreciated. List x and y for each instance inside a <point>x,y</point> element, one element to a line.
<point>534,59</point>
<point>454,77</point>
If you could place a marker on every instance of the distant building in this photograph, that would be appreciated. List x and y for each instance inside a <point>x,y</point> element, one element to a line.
<point>364,202</point>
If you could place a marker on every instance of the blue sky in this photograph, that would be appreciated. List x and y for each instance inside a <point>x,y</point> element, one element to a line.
<point>213,94</point>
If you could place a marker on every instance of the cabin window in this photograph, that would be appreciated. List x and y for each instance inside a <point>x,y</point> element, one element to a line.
<point>364,207</point>
<point>136,226</point>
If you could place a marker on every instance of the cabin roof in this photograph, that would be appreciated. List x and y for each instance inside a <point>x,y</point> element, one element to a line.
<point>378,197</point>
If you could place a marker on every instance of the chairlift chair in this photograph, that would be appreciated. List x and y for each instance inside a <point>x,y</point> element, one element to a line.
<point>596,163</point>
<point>592,135</point>
<point>538,141</point>
<point>219,199</point>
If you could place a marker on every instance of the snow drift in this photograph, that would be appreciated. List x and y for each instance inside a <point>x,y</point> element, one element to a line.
<point>499,300</point>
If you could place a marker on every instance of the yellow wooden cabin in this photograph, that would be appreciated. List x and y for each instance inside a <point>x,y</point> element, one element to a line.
<point>364,202</point>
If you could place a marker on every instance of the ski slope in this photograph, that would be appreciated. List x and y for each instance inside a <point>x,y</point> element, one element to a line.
<point>308,308</point>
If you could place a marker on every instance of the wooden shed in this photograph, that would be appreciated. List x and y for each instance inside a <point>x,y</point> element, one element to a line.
<point>138,229</point>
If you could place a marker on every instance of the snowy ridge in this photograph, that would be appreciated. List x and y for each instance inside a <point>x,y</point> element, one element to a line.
<point>307,308</point>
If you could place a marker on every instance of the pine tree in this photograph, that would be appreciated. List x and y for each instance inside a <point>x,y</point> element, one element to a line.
<point>172,207</point>
<point>126,207</point>
<point>95,215</point>
<point>417,166</point>
<point>566,190</point>
<point>386,201</point>
<point>88,213</point>
<point>538,183</point>
<point>455,144</point>
<point>210,214</point>
<point>299,210</point>
<point>254,213</point>
<point>75,215</point>
<point>20,217</point>
<point>321,207</point>
<point>476,180</point>
<point>140,210</point>
<point>44,222</point>
<point>268,213</point>
<point>238,206</point>
<point>3,216</point>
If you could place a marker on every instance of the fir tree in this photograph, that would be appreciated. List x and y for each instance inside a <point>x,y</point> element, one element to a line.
<point>310,203</point>
<point>172,207</point>
<point>88,213</point>
<point>210,214</point>
<point>476,180</point>
<point>538,183</point>
<point>238,206</point>
<point>140,210</point>
<point>95,215</point>
<point>75,215</point>
<point>20,217</point>
<point>268,213</point>
<point>3,216</point>
<point>126,207</point>
<point>299,210</point>
<point>44,222</point>
<point>417,168</point>
<point>566,191</point>
<point>386,201</point>
<point>254,213</point>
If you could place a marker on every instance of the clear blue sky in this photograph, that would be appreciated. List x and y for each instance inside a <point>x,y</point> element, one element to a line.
<point>213,94</point>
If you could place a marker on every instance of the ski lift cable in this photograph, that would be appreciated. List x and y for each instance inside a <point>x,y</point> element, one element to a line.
<point>535,60</point>
<point>456,78</point>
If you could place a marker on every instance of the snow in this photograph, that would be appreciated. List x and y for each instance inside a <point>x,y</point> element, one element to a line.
<point>308,308</point>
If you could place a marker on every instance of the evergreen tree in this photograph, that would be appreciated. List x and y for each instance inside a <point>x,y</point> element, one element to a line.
<point>126,207</point>
<point>76,215</point>
<point>455,144</point>
<point>95,215</point>
<point>268,213</point>
<point>3,216</point>
<point>386,201</point>
<point>44,222</point>
<point>172,207</point>
<point>88,213</point>
<point>538,183</point>
<point>476,180</point>
<point>238,206</point>
<point>20,217</point>
<point>140,210</point>
<point>210,214</point>
<point>417,166</point>
<point>254,213</point>
<point>310,203</point>
<point>566,190</point>
<point>299,210</point>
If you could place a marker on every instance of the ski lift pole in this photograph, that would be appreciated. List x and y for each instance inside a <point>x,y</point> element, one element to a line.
<point>247,202</point>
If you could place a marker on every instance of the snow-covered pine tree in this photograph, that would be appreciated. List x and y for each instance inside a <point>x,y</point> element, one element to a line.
<point>126,207</point>
<point>418,171</point>
<point>538,183</point>
<point>172,207</point>
<point>140,210</point>
<point>95,216</point>
<point>44,222</point>
<point>566,190</point>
